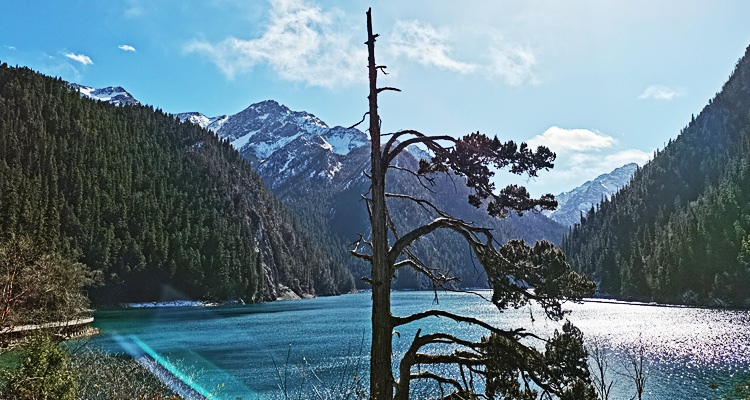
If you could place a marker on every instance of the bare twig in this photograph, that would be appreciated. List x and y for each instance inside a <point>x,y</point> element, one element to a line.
<point>361,121</point>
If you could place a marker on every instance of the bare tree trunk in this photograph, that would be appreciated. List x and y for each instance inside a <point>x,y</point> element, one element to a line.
<point>381,375</point>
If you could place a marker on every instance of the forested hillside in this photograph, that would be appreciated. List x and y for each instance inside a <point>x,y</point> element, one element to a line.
<point>147,200</point>
<point>679,231</point>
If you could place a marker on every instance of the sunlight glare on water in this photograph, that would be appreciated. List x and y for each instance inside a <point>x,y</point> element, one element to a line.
<point>686,349</point>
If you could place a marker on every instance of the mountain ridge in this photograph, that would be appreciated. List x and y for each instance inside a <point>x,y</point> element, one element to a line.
<point>112,94</point>
<point>577,201</point>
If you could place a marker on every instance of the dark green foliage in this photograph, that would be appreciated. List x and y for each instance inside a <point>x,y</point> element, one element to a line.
<point>146,200</point>
<point>518,372</point>
<point>517,267</point>
<point>43,373</point>
<point>679,231</point>
<point>472,156</point>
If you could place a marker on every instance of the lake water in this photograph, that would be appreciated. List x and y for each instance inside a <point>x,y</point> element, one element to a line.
<point>253,349</point>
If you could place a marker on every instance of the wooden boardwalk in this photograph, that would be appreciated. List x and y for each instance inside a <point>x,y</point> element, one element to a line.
<point>65,329</point>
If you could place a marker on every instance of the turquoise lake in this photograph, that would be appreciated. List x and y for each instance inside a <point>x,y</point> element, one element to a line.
<point>246,349</point>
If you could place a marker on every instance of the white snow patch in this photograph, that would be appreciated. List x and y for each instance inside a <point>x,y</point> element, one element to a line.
<point>310,124</point>
<point>85,90</point>
<point>331,172</point>
<point>216,123</point>
<point>105,94</point>
<point>194,118</point>
<point>241,141</point>
<point>177,303</point>
<point>263,150</point>
<point>343,141</point>
<point>326,145</point>
<point>284,167</point>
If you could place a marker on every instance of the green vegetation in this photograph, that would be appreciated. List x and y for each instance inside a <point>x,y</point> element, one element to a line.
<point>43,373</point>
<point>42,369</point>
<point>680,232</point>
<point>114,376</point>
<point>145,201</point>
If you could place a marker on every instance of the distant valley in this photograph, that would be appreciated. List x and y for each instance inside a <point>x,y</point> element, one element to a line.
<point>316,170</point>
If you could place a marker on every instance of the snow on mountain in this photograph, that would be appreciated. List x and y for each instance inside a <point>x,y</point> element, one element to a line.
<point>212,124</point>
<point>419,153</point>
<point>115,95</point>
<point>195,118</point>
<point>580,200</point>
<point>343,140</point>
<point>263,128</point>
<point>303,160</point>
<point>215,123</point>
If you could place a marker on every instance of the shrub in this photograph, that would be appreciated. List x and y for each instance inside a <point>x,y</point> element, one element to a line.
<point>43,373</point>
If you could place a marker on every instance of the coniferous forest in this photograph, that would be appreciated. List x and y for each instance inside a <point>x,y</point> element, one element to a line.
<point>680,231</point>
<point>145,200</point>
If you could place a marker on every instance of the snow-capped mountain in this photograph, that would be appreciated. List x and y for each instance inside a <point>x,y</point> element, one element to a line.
<point>261,130</point>
<point>212,124</point>
<point>580,200</point>
<point>317,171</point>
<point>419,153</point>
<point>112,94</point>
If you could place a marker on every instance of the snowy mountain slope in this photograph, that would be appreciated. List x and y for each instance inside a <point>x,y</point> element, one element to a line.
<point>115,95</point>
<point>212,124</point>
<point>261,129</point>
<point>343,140</point>
<point>580,200</point>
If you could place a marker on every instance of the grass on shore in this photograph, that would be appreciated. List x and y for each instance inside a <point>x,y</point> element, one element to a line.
<point>86,374</point>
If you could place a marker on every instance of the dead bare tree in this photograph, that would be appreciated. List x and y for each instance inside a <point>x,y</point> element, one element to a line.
<point>635,368</point>
<point>600,368</point>
<point>518,274</point>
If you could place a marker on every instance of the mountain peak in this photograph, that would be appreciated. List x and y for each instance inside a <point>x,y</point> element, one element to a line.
<point>212,124</point>
<point>580,200</point>
<point>116,95</point>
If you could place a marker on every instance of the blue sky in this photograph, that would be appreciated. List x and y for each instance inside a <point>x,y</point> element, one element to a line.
<point>601,83</point>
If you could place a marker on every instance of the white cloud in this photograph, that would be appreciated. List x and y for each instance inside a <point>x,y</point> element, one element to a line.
<point>126,47</point>
<point>426,45</point>
<point>302,44</point>
<point>136,9</point>
<point>514,64</point>
<point>659,92</point>
<point>81,58</point>
<point>592,165</point>
<point>10,47</point>
<point>625,157</point>
<point>582,155</point>
<point>562,140</point>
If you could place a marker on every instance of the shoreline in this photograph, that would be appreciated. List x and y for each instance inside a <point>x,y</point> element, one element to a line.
<point>287,295</point>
